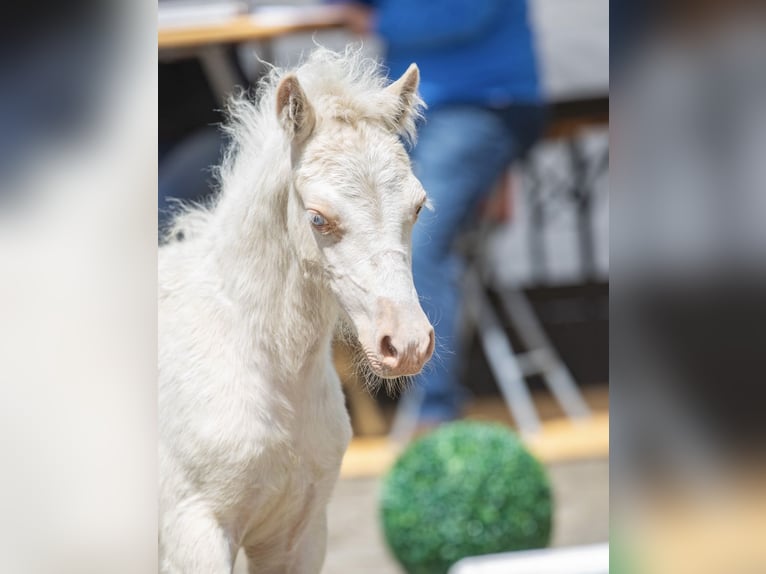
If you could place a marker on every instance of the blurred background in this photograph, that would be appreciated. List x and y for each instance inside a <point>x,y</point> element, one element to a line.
<point>78,250</point>
<point>532,343</point>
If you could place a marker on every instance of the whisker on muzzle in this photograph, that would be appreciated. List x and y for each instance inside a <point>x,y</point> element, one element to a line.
<point>365,362</point>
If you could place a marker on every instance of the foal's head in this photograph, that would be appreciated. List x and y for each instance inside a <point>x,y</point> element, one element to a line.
<point>356,203</point>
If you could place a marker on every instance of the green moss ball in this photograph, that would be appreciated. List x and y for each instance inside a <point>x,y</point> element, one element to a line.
<point>466,489</point>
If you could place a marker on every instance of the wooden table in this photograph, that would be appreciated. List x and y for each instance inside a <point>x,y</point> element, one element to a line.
<point>207,31</point>
<point>264,23</point>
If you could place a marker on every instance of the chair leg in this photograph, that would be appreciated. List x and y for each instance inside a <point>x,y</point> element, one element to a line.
<point>406,417</point>
<point>501,358</point>
<point>557,376</point>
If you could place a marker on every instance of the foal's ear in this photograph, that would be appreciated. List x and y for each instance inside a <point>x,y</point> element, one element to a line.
<point>408,101</point>
<point>295,112</point>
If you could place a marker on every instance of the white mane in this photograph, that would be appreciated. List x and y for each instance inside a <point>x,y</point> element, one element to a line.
<point>342,86</point>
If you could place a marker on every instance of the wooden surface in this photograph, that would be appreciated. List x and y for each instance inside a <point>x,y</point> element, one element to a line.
<point>263,24</point>
<point>567,118</point>
<point>561,439</point>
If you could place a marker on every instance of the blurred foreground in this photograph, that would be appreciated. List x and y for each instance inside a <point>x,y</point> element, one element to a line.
<point>356,544</point>
<point>688,249</point>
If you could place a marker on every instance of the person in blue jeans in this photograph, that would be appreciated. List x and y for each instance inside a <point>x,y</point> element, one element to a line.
<point>479,78</point>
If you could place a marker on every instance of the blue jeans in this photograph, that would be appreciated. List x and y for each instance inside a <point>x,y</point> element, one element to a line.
<point>461,152</point>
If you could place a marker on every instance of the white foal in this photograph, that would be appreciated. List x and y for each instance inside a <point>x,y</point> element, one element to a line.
<point>312,224</point>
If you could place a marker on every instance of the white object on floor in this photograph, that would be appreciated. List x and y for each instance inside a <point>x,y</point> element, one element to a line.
<point>593,559</point>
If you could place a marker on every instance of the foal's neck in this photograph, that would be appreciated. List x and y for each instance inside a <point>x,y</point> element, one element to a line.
<point>289,310</point>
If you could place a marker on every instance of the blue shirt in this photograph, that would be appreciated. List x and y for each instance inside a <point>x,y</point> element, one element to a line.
<point>468,51</point>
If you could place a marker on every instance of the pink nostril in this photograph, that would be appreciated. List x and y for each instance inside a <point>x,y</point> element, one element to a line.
<point>387,349</point>
<point>431,344</point>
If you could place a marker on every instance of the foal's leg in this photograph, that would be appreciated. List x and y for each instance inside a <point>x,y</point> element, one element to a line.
<point>309,555</point>
<point>192,542</point>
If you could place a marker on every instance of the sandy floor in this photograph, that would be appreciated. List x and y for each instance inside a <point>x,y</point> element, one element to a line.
<point>356,544</point>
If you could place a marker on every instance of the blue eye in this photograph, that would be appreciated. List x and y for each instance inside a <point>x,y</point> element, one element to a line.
<point>317,220</point>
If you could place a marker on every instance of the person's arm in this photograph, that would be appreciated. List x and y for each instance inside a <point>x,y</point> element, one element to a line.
<point>409,24</point>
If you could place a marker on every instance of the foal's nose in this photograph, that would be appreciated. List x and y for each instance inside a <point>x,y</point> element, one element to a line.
<point>406,351</point>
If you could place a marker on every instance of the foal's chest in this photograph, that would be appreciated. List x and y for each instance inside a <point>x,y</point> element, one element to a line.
<point>294,482</point>
<point>298,455</point>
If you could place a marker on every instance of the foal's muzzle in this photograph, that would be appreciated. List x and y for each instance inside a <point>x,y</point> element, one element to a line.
<point>404,339</point>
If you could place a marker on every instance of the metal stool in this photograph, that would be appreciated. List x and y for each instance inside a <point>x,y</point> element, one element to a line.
<point>508,367</point>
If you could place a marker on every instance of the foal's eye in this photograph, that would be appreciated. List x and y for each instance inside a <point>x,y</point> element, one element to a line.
<point>317,220</point>
<point>418,209</point>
